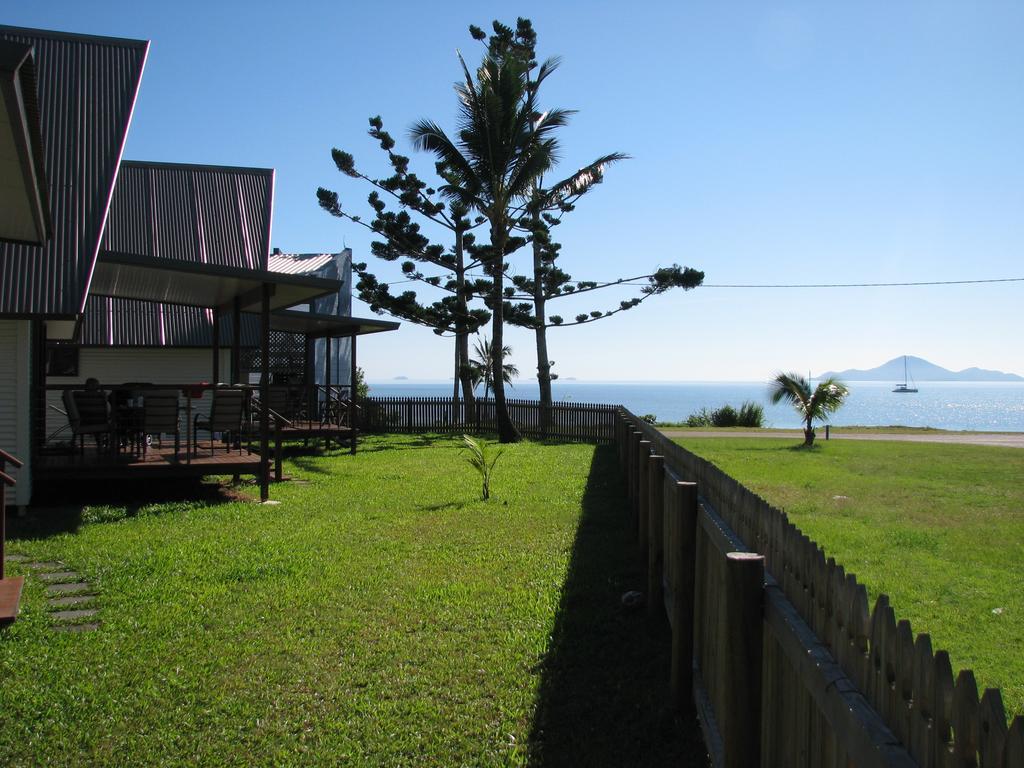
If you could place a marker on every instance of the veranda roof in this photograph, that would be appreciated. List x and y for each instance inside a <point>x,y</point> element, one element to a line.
<point>314,325</point>
<point>188,283</point>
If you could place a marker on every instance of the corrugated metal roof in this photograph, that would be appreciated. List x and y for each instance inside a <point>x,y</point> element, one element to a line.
<point>87,90</point>
<point>200,213</point>
<point>218,215</point>
<point>300,263</point>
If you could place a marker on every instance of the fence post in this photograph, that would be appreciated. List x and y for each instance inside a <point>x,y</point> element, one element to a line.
<point>681,549</point>
<point>655,541</point>
<point>643,487</point>
<point>634,451</point>
<point>408,413</point>
<point>743,615</point>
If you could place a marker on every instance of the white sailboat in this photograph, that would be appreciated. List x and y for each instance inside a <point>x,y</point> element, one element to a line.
<point>905,388</point>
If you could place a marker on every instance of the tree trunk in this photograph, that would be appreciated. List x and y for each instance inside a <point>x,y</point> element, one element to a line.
<point>462,372</point>
<point>507,432</point>
<point>809,435</point>
<point>541,331</point>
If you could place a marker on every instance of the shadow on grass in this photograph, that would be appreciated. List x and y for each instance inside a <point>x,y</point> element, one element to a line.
<point>604,697</point>
<point>403,442</point>
<point>65,507</point>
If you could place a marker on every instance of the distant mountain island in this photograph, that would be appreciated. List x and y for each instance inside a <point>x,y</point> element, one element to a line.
<point>919,369</point>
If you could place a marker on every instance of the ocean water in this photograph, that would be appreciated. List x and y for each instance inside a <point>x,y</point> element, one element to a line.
<point>942,405</point>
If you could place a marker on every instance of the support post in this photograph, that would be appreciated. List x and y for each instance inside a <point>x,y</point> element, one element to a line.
<point>740,723</point>
<point>277,450</point>
<point>353,419</point>
<point>309,373</point>
<point>681,562</point>
<point>236,341</point>
<point>655,543</point>
<point>216,345</point>
<point>265,393</point>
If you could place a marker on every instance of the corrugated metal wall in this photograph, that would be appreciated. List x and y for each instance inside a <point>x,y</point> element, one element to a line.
<point>87,89</point>
<point>15,346</point>
<point>203,214</point>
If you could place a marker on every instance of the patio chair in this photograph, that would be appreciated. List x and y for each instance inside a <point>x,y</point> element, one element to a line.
<point>281,401</point>
<point>225,416</point>
<point>88,414</point>
<point>160,417</point>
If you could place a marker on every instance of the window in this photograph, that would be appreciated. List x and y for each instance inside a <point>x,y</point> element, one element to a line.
<point>61,360</point>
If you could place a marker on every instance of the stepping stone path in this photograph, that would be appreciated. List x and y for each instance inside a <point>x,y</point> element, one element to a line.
<point>70,598</point>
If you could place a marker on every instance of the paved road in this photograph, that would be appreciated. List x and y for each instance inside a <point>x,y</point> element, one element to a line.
<point>1002,439</point>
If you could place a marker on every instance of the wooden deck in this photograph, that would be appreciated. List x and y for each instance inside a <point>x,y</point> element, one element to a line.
<point>10,595</point>
<point>300,430</point>
<point>156,463</point>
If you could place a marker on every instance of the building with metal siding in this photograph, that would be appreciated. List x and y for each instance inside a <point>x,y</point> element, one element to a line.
<point>86,92</point>
<point>199,213</point>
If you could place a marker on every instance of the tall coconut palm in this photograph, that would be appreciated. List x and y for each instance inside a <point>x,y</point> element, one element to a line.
<point>826,398</point>
<point>503,144</point>
<point>483,365</point>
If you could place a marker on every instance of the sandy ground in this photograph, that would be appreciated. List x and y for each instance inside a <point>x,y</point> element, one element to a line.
<point>1002,439</point>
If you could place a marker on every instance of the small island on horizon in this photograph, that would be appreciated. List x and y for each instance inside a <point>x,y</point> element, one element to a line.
<point>921,370</point>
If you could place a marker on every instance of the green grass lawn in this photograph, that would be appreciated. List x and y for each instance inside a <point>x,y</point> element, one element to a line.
<point>380,615</point>
<point>939,528</point>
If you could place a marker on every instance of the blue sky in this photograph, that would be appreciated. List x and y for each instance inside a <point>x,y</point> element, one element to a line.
<point>771,143</point>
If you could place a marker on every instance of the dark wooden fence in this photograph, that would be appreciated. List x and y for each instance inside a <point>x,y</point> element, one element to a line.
<point>776,643</point>
<point>564,421</point>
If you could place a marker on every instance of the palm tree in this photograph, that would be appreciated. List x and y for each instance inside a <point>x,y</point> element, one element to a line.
<point>826,398</point>
<point>504,143</point>
<point>483,365</point>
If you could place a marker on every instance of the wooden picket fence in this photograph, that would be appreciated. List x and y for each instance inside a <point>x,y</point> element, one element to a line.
<point>566,421</point>
<point>776,643</point>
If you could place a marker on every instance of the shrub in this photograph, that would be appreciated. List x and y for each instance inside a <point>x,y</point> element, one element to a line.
<point>750,414</point>
<point>701,418</point>
<point>725,416</point>
<point>650,418</point>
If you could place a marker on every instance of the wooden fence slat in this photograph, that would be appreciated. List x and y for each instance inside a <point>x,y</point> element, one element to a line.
<point>878,689</point>
<point>966,716</point>
<point>942,710</point>
<point>921,708</point>
<point>992,729</point>
<point>1013,751</point>
<point>655,537</point>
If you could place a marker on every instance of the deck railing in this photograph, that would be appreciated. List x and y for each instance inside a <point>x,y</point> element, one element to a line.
<point>564,421</point>
<point>775,641</point>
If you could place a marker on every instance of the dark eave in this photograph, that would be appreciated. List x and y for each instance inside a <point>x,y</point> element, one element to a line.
<point>314,325</point>
<point>24,201</point>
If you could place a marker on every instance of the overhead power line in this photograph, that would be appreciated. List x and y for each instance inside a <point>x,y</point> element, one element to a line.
<point>861,285</point>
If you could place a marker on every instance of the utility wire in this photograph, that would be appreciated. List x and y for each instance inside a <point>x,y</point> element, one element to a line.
<point>864,285</point>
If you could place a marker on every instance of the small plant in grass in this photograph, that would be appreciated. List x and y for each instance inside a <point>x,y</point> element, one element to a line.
<point>479,458</point>
<point>826,398</point>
